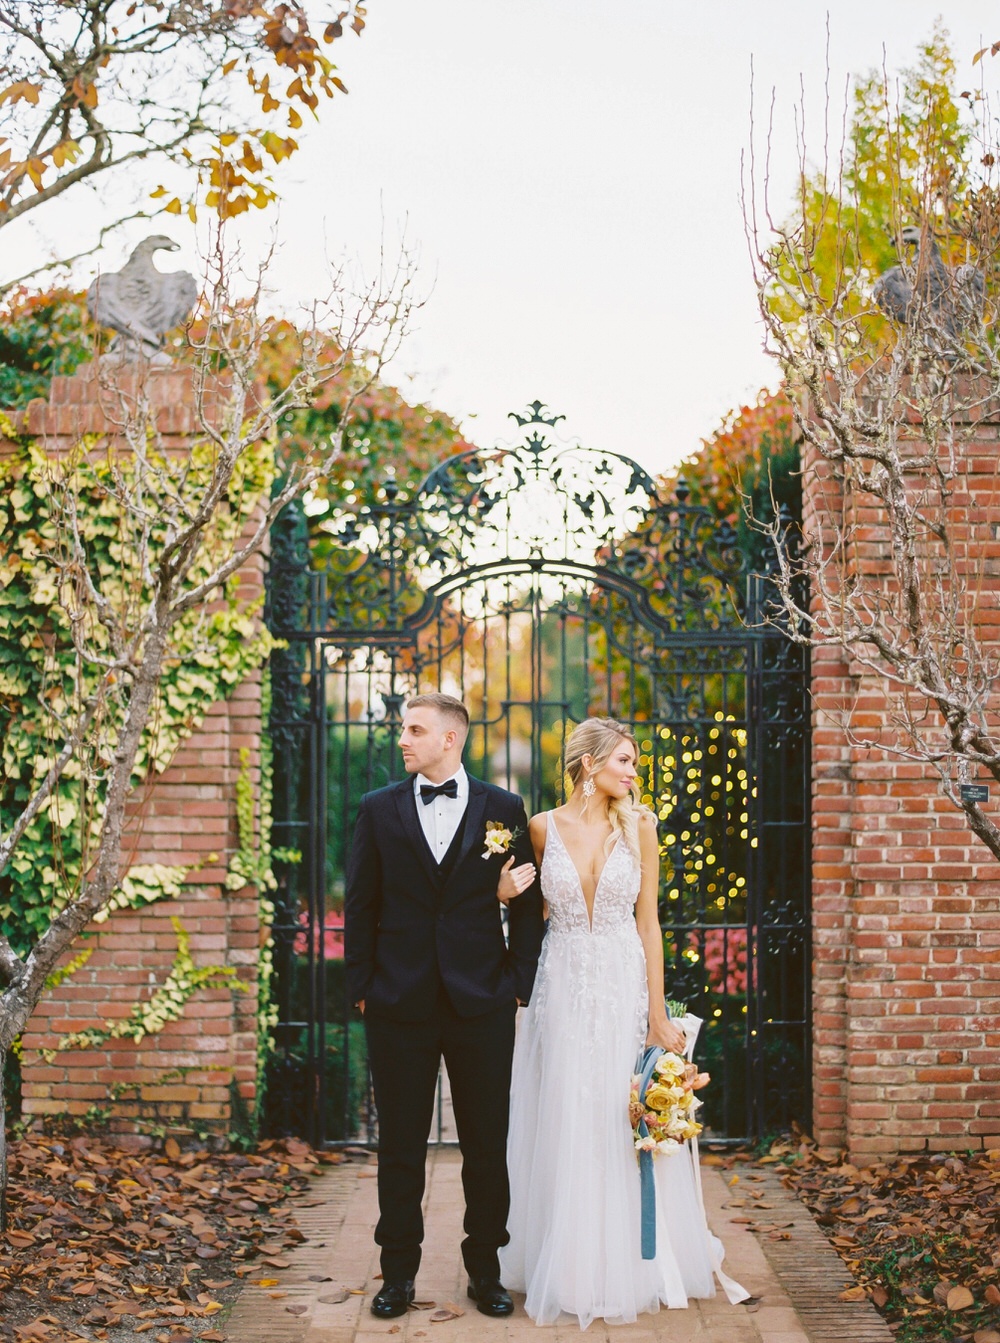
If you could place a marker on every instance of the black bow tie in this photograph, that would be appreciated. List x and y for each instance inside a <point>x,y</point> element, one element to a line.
<point>428,792</point>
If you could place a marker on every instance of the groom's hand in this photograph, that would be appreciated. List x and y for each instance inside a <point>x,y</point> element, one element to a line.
<point>514,880</point>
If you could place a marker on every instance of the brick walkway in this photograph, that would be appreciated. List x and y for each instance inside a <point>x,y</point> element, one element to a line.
<point>795,1281</point>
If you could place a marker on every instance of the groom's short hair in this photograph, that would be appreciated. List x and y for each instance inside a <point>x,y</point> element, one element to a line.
<point>447,706</point>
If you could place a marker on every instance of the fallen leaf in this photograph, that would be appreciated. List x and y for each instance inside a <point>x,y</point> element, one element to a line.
<point>959,1298</point>
<point>334,1299</point>
<point>296,1310</point>
<point>852,1294</point>
<point>880,1296</point>
<point>449,1311</point>
<point>986,1336</point>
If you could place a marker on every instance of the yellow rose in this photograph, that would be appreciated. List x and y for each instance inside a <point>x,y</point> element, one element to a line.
<point>660,1098</point>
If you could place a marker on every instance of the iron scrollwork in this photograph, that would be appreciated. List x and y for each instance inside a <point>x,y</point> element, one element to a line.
<point>543,581</point>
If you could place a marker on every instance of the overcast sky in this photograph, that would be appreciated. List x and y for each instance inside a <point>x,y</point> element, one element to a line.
<point>570,172</point>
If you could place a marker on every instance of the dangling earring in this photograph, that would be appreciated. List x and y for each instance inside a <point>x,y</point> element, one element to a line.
<point>589,788</point>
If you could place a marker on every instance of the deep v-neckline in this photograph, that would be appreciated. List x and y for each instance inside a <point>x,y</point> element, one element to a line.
<point>579,880</point>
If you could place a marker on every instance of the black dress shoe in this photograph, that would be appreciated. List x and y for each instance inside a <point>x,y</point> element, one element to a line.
<point>393,1299</point>
<point>490,1297</point>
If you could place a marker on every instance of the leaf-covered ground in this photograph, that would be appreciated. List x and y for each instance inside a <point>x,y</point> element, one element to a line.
<point>108,1243</point>
<point>921,1234</point>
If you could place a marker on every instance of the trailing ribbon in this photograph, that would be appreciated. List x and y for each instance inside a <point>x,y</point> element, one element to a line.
<point>690,1025</point>
<point>647,1183</point>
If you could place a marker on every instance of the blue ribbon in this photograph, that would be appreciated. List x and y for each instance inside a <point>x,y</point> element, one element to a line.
<point>647,1185</point>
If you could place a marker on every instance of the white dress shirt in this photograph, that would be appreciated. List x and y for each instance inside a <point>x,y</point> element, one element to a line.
<point>442,817</point>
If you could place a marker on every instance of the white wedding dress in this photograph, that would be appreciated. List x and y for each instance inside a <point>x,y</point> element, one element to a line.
<point>575,1213</point>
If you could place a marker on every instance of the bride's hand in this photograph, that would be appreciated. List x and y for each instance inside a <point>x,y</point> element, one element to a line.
<point>514,880</point>
<point>667,1035</point>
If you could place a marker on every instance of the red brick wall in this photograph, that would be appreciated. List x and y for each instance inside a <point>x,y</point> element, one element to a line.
<point>906,901</point>
<point>185,1072</point>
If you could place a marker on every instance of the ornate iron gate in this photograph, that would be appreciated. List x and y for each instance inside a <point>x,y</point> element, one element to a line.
<point>542,583</point>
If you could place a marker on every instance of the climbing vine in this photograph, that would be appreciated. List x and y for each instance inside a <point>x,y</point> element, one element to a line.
<point>166,1004</point>
<point>250,865</point>
<point>43,677</point>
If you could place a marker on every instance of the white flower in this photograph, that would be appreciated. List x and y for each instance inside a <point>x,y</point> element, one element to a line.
<point>498,839</point>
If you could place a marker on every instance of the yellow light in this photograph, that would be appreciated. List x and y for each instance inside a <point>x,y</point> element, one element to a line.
<point>717,1012</point>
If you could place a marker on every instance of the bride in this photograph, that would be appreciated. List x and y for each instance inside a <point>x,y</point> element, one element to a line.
<point>575,1207</point>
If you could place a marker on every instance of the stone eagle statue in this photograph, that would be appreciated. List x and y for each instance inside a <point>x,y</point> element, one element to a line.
<point>142,303</point>
<point>949,300</point>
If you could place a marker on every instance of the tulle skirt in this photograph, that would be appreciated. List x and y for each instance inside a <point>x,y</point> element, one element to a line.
<point>575,1210</point>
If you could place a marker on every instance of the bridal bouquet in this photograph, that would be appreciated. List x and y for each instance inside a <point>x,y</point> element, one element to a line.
<point>662,1104</point>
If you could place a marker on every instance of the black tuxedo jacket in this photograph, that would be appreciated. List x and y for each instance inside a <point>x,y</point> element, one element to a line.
<point>411,928</point>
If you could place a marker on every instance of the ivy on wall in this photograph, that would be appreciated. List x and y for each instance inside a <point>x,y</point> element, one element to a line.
<point>250,865</point>
<point>42,675</point>
<point>166,1004</point>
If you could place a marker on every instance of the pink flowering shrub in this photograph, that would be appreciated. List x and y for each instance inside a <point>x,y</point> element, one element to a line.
<point>724,952</point>
<point>333,936</point>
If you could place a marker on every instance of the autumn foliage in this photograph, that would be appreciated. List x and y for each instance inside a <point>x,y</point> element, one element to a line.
<point>212,93</point>
<point>919,1234</point>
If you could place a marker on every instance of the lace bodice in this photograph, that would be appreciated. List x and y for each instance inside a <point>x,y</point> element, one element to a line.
<point>614,898</point>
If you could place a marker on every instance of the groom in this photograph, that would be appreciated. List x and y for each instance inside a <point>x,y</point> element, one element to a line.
<point>428,966</point>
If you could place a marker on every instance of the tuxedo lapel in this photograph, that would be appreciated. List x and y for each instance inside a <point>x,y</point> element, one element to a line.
<point>406,805</point>
<point>474,822</point>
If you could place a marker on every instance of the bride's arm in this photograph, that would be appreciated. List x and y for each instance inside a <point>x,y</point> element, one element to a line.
<point>515,880</point>
<point>662,1030</point>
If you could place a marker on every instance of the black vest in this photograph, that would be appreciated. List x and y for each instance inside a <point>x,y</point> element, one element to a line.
<point>447,863</point>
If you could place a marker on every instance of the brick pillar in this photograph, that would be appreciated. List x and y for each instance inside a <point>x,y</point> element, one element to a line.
<point>906,901</point>
<point>184,1075</point>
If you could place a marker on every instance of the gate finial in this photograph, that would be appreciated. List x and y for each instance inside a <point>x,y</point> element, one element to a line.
<point>536,416</point>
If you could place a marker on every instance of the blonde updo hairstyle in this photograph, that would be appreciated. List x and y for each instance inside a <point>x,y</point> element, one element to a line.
<point>599,738</point>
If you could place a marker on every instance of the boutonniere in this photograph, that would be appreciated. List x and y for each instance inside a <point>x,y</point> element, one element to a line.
<point>499,838</point>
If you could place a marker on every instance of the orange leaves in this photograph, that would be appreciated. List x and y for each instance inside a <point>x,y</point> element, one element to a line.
<point>84,93</point>
<point>80,125</point>
<point>66,151</point>
<point>251,160</point>
<point>918,1233</point>
<point>22,89</point>
<point>102,1237</point>
<point>277,147</point>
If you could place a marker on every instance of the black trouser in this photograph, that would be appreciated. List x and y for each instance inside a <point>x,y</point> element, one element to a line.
<point>404,1057</point>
